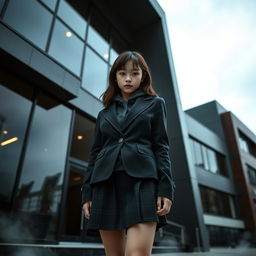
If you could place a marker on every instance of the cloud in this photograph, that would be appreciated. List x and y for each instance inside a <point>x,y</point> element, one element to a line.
<point>214,54</point>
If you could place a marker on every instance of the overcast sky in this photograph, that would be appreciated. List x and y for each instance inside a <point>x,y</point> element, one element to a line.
<point>214,50</point>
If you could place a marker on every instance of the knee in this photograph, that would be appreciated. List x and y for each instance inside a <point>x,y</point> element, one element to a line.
<point>115,253</point>
<point>137,252</point>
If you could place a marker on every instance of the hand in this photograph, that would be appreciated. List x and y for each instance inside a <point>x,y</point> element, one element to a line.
<point>86,209</point>
<point>167,204</point>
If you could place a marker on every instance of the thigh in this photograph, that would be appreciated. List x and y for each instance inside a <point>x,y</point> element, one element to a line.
<point>114,242</point>
<point>140,238</point>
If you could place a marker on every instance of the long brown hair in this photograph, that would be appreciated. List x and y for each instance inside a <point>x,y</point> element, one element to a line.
<point>138,61</point>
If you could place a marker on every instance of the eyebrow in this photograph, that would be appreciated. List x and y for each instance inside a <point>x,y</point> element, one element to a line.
<point>136,69</point>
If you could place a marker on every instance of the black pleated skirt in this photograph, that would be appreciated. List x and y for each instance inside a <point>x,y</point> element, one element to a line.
<point>122,201</point>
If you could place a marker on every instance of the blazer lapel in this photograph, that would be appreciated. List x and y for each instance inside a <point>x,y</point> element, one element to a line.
<point>141,104</point>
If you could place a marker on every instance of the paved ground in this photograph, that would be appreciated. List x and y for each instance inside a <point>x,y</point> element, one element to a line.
<point>216,252</point>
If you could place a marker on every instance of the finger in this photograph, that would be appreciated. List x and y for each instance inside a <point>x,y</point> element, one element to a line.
<point>86,211</point>
<point>166,207</point>
<point>159,200</point>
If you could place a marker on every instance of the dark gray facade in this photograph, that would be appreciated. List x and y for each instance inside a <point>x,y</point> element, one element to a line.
<point>55,56</point>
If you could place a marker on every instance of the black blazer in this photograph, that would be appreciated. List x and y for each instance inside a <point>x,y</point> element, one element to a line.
<point>142,140</point>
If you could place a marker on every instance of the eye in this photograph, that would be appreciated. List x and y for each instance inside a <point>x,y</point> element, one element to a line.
<point>136,73</point>
<point>121,73</point>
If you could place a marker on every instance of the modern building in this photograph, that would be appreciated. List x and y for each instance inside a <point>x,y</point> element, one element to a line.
<point>242,146</point>
<point>55,57</point>
<point>225,156</point>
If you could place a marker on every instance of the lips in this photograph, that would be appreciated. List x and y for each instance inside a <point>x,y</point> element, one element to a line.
<point>128,86</point>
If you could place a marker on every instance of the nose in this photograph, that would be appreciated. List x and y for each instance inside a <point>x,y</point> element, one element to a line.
<point>128,78</point>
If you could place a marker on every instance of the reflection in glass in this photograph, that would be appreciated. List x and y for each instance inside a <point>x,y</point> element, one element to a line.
<point>31,19</point>
<point>113,56</point>
<point>13,124</point>
<point>72,18</point>
<point>216,202</point>
<point>94,74</point>
<point>66,47</point>
<point>98,42</point>
<point>212,161</point>
<point>40,187</point>
<point>72,214</point>
<point>50,3</point>
<point>197,154</point>
<point>82,138</point>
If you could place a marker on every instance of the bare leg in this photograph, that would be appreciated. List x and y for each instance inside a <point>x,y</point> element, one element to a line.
<point>140,238</point>
<point>114,242</point>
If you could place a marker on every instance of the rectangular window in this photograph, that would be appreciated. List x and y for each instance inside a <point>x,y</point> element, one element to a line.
<point>246,144</point>
<point>207,158</point>
<point>31,19</point>
<point>217,202</point>
<point>94,73</point>
<point>66,47</point>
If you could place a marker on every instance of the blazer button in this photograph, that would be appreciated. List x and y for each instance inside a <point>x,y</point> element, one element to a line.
<point>120,140</point>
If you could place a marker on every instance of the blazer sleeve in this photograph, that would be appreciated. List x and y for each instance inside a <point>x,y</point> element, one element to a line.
<point>160,145</point>
<point>96,147</point>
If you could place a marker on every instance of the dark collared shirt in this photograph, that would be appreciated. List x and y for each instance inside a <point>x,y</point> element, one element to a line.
<point>122,109</point>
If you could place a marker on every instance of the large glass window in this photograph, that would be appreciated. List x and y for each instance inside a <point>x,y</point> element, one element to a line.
<point>39,192</point>
<point>72,18</point>
<point>94,74</point>
<point>31,19</point>
<point>66,47</point>
<point>217,203</point>
<point>246,144</point>
<point>82,138</point>
<point>207,158</point>
<point>13,124</point>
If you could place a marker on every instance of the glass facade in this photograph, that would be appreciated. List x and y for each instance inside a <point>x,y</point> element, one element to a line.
<point>207,158</point>
<point>95,73</point>
<point>85,49</point>
<point>66,47</point>
<point>82,138</point>
<point>13,124</point>
<point>34,146</point>
<point>31,19</point>
<point>217,203</point>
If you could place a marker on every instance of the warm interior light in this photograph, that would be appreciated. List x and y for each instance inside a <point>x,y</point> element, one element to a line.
<point>80,137</point>
<point>9,141</point>
<point>68,34</point>
<point>106,56</point>
<point>76,178</point>
<point>5,132</point>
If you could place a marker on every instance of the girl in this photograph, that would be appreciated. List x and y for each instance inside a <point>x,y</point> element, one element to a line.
<point>128,187</point>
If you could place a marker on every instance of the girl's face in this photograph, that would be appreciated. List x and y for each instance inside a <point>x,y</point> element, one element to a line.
<point>128,79</point>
